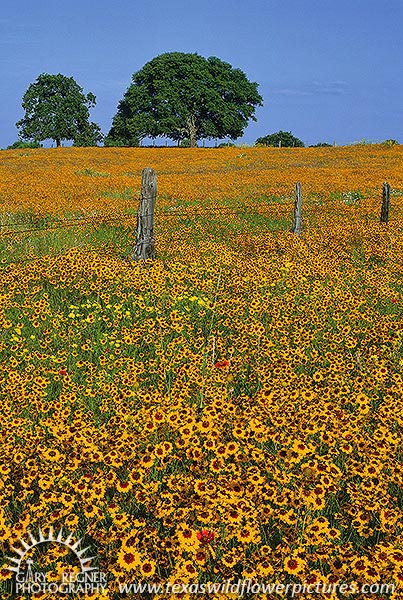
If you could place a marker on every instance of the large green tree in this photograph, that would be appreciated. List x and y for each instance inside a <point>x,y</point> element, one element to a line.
<point>56,108</point>
<point>185,96</point>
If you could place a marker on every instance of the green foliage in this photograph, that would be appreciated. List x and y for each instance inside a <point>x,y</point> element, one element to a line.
<point>364,142</point>
<point>321,145</point>
<point>226,145</point>
<point>112,141</point>
<point>185,143</point>
<point>56,108</point>
<point>185,96</point>
<point>90,135</point>
<point>92,173</point>
<point>19,144</point>
<point>49,239</point>
<point>283,138</point>
<point>390,143</point>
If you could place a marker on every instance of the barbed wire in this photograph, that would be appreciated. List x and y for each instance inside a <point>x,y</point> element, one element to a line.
<point>111,249</point>
<point>9,229</point>
<point>170,212</point>
<point>100,219</point>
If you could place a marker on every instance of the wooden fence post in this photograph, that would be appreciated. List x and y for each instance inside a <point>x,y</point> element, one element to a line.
<point>297,221</point>
<point>385,202</point>
<point>145,239</point>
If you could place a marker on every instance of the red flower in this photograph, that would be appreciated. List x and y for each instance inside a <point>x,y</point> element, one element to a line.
<point>394,300</point>
<point>221,364</point>
<point>205,536</point>
<point>62,372</point>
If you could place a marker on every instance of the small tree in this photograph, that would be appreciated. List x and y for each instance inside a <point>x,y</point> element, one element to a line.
<point>56,108</point>
<point>285,139</point>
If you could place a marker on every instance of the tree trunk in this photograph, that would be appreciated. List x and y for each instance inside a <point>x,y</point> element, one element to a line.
<point>193,141</point>
<point>192,130</point>
<point>57,142</point>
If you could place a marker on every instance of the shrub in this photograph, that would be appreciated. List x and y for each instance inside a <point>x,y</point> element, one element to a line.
<point>119,143</point>
<point>19,144</point>
<point>284,139</point>
<point>390,143</point>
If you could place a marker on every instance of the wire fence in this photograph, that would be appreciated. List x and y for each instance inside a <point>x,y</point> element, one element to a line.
<point>16,229</point>
<point>9,228</point>
<point>128,218</point>
<point>112,217</point>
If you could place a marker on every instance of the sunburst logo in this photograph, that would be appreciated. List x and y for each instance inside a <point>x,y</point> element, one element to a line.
<point>89,579</point>
<point>50,538</point>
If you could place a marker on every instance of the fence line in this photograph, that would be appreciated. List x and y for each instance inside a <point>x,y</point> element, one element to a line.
<point>113,217</point>
<point>103,219</point>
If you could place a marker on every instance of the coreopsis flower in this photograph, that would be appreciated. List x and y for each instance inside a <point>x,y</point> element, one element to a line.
<point>294,565</point>
<point>128,559</point>
<point>147,568</point>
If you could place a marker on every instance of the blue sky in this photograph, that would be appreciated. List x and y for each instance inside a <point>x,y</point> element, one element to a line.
<point>328,70</point>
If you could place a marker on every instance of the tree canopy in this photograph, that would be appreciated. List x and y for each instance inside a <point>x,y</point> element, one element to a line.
<point>185,96</point>
<point>281,138</point>
<point>56,108</point>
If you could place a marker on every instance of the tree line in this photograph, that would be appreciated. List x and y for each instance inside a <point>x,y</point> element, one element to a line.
<point>180,96</point>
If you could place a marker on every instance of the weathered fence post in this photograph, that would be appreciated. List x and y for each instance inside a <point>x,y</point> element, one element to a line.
<point>385,202</point>
<point>145,239</point>
<point>297,221</point>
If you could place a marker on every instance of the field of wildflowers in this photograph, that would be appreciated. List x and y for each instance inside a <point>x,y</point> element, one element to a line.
<point>232,409</point>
